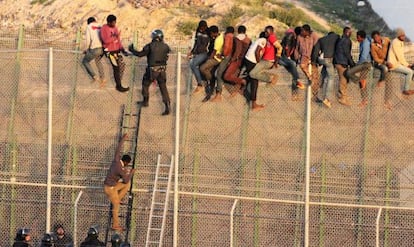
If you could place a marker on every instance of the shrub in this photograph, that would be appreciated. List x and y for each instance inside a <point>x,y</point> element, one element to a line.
<point>187,27</point>
<point>229,18</point>
<point>290,17</point>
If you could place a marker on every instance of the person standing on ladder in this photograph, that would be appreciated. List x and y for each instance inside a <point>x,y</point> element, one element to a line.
<point>117,182</point>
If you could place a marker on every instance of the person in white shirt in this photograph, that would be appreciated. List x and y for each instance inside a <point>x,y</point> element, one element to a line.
<point>253,56</point>
<point>398,63</point>
<point>94,51</point>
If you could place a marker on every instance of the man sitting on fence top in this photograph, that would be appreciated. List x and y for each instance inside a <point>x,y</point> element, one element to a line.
<point>397,61</point>
<point>117,182</point>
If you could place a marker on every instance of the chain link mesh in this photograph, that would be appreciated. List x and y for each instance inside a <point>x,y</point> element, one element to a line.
<point>241,173</point>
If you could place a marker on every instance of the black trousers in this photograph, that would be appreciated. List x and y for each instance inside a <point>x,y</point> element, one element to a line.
<point>158,75</point>
<point>253,83</point>
<point>118,66</point>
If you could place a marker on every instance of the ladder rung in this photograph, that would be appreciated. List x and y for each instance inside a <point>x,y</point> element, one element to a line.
<point>155,229</point>
<point>129,114</point>
<point>157,216</point>
<point>164,165</point>
<point>153,242</point>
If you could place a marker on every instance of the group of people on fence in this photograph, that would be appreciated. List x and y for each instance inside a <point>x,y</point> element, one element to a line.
<point>218,57</point>
<point>59,238</point>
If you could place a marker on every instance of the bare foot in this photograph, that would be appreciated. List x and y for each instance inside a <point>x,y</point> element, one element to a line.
<point>363,103</point>
<point>257,107</point>
<point>274,80</point>
<point>388,105</point>
<point>380,83</point>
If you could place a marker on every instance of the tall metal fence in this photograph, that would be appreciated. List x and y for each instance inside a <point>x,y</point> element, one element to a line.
<point>244,178</point>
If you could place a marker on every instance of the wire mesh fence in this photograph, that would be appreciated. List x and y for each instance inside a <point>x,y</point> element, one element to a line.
<point>241,173</point>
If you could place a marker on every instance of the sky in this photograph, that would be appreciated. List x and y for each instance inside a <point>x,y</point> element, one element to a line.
<point>396,13</point>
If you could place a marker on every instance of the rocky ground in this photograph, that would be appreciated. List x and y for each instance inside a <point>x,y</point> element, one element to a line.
<point>142,15</point>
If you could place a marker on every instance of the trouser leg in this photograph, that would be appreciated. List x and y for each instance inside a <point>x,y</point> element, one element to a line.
<point>89,56</point>
<point>342,89</point>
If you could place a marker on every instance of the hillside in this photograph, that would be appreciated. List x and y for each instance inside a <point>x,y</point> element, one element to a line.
<point>180,17</point>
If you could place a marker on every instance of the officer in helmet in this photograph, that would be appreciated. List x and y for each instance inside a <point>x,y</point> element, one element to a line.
<point>92,239</point>
<point>22,238</point>
<point>116,240</point>
<point>157,56</point>
<point>48,240</point>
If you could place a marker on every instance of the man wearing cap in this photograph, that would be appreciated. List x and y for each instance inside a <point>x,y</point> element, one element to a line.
<point>117,182</point>
<point>398,63</point>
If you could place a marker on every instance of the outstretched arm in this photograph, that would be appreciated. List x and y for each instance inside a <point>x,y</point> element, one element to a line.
<point>119,148</point>
<point>145,51</point>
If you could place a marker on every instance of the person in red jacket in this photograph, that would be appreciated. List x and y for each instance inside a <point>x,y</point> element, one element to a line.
<point>111,41</point>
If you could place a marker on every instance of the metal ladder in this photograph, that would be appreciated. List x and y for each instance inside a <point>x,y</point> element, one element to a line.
<point>129,124</point>
<point>159,203</point>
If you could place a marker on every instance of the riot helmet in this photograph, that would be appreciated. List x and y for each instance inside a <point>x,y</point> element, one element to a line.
<point>157,34</point>
<point>93,232</point>
<point>48,240</point>
<point>22,233</point>
<point>116,240</point>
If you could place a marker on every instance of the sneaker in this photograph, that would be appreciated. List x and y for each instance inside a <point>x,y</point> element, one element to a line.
<point>317,99</point>
<point>122,89</point>
<point>207,98</point>
<point>300,85</point>
<point>344,101</point>
<point>327,103</point>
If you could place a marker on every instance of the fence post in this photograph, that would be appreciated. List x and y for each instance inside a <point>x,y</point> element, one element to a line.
<point>75,220</point>
<point>49,141</point>
<point>232,222</point>
<point>12,142</point>
<point>377,232</point>
<point>177,148</point>
<point>307,165</point>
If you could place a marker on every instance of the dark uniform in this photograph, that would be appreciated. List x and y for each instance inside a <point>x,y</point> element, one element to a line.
<point>22,238</point>
<point>92,242</point>
<point>157,56</point>
<point>48,240</point>
<point>92,239</point>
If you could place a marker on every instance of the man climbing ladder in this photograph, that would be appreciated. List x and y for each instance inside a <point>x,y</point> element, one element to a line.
<point>117,182</point>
